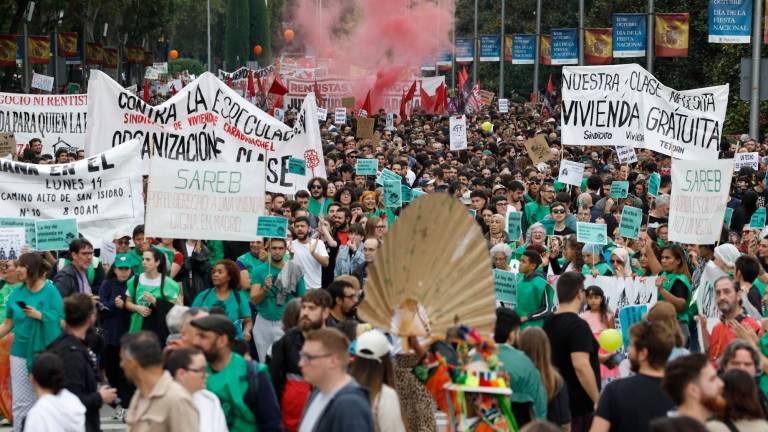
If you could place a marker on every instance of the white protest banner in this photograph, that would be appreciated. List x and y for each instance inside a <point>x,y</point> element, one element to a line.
<point>161,67</point>
<point>11,241</point>
<point>205,121</point>
<point>103,192</point>
<point>42,82</point>
<point>626,155</point>
<point>571,172</point>
<point>503,106</point>
<point>204,200</point>
<point>340,115</point>
<point>603,105</point>
<point>705,294</point>
<point>622,292</point>
<point>698,200</point>
<point>58,120</point>
<point>458,128</point>
<point>751,159</point>
<point>322,114</point>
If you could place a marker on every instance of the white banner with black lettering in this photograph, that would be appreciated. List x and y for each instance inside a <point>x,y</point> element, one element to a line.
<point>626,105</point>
<point>204,200</point>
<point>205,121</point>
<point>103,192</point>
<point>621,292</point>
<point>698,200</point>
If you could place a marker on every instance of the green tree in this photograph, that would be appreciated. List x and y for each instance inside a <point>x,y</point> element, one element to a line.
<point>237,34</point>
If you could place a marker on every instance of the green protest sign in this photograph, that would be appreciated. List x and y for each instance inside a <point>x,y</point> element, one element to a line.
<point>417,193</point>
<point>473,212</point>
<point>758,219</point>
<point>506,286</point>
<point>619,189</point>
<point>653,184</point>
<point>728,216</point>
<point>393,194</point>
<point>407,194</point>
<point>631,219</point>
<point>387,174</point>
<point>583,187</point>
<point>297,166</point>
<point>55,234</point>
<point>272,226</point>
<point>514,222</point>
<point>27,224</point>
<point>591,233</point>
<point>73,88</point>
<point>549,226</point>
<point>367,167</point>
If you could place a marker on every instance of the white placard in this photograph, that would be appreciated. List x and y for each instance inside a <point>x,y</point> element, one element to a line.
<point>279,114</point>
<point>751,160</point>
<point>204,200</point>
<point>390,121</point>
<point>458,128</point>
<point>698,200</point>
<point>11,241</point>
<point>603,105</point>
<point>322,114</point>
<point>340,115</point>
<point>161,67</point>
<point>42,82</point>
<point>571,172</point>
<point>151,74</point>
<point>626,155</point>
<point>503,106</point>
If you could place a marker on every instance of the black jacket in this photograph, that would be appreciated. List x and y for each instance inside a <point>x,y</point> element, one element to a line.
<point>66,281</point>
<point>349,410</point>
<point>285,359</point>
<point>80,377</point>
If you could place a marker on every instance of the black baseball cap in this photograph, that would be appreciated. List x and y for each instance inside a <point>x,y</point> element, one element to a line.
<point>216,323</point>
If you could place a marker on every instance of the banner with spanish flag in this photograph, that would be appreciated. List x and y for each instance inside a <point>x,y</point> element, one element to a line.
<point>7,50</point>
<point>39,49</point>
<point>508,47</point>
<point>94,53</point>
<point>598,46</point>
<point>111,58</point>
<point>148,58</point>
<point>672,34</point>
<point>545,50</point>
<point>67,44</point>
<point>132,54</point>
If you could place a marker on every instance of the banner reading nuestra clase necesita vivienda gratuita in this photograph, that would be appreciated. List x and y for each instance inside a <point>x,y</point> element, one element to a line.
<point>625,105</point>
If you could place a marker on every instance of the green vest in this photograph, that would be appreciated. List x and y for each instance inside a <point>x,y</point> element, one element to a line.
<point>683,315</point>
<point>530,294</point>
<point>136,291</point>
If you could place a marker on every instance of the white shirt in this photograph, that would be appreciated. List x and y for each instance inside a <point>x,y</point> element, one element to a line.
<point>62,412</point>
<point>211,415</point>
<point>312,414</point>
<point>313,271</point>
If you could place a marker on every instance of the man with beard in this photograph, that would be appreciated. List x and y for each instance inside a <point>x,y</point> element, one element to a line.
<point>694,387</point>
<point>650,346</point>
<point>248,261</point>
<point>345,299</point>
<point>310,254</point>
<point>273,285</point>
<point>292,390</point>
<point>318,203</point>
<point>536,211</point>
<point>732,315</point>
<point>242,386</point>
<point>370,247</point>
<point>334,230</point>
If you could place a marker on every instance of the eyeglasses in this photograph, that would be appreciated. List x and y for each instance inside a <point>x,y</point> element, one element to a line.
<point>200,370</point>
<point>352,296</point>
<point>548,191</point>
<point>558,211</point>
<point>380,226</point>
<point>309,357</point>
<point>316,186</point>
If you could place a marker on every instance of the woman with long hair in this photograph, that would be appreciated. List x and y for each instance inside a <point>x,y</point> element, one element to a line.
<point>534,342</point>
<point>373,370</point>
<point>345,196</point>
<point>375,227</point>
<point>151,295</point>
<point>226,294</point>
<point>599,318</point>
<point>673,281</point>
<point>170,247</point>
<point>34,313</point>
<point>762,252</point>
<point>743,411</point>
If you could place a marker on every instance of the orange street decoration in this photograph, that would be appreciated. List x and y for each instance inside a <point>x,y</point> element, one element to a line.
<point>598,49</point>
<point>174,54</point>
<point>672,34</point>
<point>257,50</point>
<point>288,34</point>
<point>39,49</point>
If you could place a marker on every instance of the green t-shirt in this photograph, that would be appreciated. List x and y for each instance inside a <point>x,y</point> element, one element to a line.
<point>48,301</point>
<point>135,259</point>
<point>5,292</point>
<point>249,261</point>
<point>524,378</point>
<point>230,385</point>
<point>530,297</point>
<point>216,249</point>
<point>268,307</point>
<point>535,212</point>
<point>317,209</point>
<point>136,293</point>
<point>233,310</point>
<point>602,267</point>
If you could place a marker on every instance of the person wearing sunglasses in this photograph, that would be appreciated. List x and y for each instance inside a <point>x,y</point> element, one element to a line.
<point>558,212</point>
<point>318,201</point>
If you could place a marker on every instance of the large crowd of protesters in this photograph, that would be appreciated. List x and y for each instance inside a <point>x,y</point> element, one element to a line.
<point>187,335</point>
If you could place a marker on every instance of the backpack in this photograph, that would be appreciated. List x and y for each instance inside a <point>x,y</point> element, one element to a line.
<point>254,368</point>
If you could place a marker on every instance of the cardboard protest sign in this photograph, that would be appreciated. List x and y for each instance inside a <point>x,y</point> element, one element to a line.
<point>340,116</point>
<point>458,127</point>
<point>705,294</point>
<point>591,233</point>
<point>619,189</point>
<point>751,160</point>
<point>571,172</point>
<point>206,121</point>
<point>538,149</point>
<point>55,234</point>
<point>58,120</point>
<point>27,224</point>
<point>11,241</point>
<point>7,144</point>
<point>654,181</point>
<point>514,223</point>
<point>757,221</point>
<point>367,167</point>
<point>297,166</point>
<point>626,155</point>
<point>631,220</point>
<point>393,194</point>
<point>364,128</point>
<point>204,200</point>
<point>272,227</point>
<point>698,200</point>
<point>103,192</point>
<point>42,82</point>
<point>506,287</point>
<point>606,104</point>
<point>348,102</point>
<point>629,316</point>
<point>387,174</point>
<point>727,217</point>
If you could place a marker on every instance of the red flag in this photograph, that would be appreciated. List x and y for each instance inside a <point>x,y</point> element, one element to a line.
<point>534,97</point>
<point>426,102</point>
<point>183,83</point>
<point>411,92</point>
<point>260,83</point>
<point>278,103</point>
<point>550,87</point>
<point>403,115</point>
<point>229,81</point>
<point>462,79</point>
<point>251,87</point>
<point>367,103</point>
<point>277,87</point>
<point>318,95</point>
<point>441,100</point>
<point>173,89</point>
<point>146,91</point>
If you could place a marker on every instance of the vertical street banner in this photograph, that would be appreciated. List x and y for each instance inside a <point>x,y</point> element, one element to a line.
<point>490,48</point>
<point>730,21</point>
<point>7,50</point>
<point>545,50</point>
<point>523,49</point>
<point>465,50</point>
<point>603,105</point>
<point>444,57</point>
<point>672,34</point>
<point>103,192</point>
<point>39,49</point>
<point>67,44</point>
<point>507,48</point>
<point>630,35</point>
<point>565,47</point>
<point>204,200</point>
<point>94,54</point>
<point>698,200</point>
<point>111,58</point>
<point>598,46</point>
<point>133,55</point>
